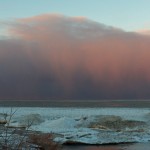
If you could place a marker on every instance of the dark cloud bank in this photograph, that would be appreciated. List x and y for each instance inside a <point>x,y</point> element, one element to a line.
<point>57,57</point>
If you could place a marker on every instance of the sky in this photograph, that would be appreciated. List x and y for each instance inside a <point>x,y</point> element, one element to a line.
<point>82,49</point>
<point>126,14</point>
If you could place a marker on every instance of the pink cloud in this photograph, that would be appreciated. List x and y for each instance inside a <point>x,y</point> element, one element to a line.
<point>76,47</point>
<point>144,32</point>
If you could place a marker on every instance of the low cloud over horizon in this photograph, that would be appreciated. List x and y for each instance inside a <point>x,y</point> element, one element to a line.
<point>52,56</point>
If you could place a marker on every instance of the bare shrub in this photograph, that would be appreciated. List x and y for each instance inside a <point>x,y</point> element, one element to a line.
<point>21,138</point>
<point>44,141</point>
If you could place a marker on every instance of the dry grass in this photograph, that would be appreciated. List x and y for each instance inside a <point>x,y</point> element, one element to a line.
<point>19,138</point>
<point>44,141</point>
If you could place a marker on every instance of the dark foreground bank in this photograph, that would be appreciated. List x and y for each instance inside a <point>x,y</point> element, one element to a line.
<point>135,146</point>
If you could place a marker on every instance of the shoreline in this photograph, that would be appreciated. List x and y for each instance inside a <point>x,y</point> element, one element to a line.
<point>78,104</point>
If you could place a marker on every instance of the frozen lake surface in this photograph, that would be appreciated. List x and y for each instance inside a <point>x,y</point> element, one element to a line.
<point>86,125</point>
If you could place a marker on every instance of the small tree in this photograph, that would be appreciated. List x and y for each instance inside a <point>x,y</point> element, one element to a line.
<point>18,138</point>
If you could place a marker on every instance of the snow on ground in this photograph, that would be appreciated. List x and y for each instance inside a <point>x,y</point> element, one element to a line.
<point>72,124</point>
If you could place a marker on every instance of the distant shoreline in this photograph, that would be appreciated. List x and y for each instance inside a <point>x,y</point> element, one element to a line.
<point>76,103</point>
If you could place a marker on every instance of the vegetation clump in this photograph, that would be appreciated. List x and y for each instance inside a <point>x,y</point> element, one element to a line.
<point>22,137</point>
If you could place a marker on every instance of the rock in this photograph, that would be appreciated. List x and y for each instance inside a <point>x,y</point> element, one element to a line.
<point>115,123</point>
<point>3,122</point>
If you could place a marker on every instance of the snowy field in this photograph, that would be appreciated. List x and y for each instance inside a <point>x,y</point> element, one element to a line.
<point>86,125</point>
